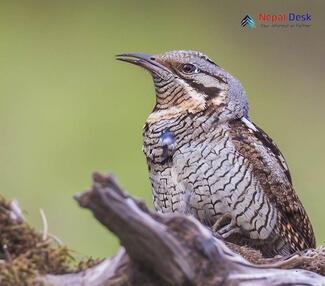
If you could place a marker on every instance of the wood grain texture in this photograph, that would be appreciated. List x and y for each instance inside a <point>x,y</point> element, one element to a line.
<point>174,249</point>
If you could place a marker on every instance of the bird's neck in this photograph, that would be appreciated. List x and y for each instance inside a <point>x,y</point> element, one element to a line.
<point>181,123</point>
<point>164,136</point>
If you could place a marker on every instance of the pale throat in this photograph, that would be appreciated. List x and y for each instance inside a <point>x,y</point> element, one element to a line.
<point>195,103</point>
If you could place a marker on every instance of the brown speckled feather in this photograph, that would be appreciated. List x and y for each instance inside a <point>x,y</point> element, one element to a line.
<point>271,170</point>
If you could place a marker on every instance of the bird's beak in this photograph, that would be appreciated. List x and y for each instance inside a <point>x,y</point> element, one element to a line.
<point>146,61</point>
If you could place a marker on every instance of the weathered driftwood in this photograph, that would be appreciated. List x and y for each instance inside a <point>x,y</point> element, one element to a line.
<point>176,250</point>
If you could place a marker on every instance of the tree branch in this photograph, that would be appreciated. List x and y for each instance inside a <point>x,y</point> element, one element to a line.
<point>177,250</point>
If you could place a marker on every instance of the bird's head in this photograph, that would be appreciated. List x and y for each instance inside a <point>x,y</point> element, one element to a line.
<point>188,81</point>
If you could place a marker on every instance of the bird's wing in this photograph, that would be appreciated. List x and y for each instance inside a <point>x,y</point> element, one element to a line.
<point>270,168</point>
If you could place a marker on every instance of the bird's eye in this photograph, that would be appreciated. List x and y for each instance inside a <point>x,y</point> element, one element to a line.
<point>189,68</point>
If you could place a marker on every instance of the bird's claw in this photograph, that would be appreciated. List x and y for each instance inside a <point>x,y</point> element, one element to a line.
<point>225,226</point>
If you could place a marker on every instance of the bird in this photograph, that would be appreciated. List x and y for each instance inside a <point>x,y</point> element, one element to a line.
<point>207,159</point>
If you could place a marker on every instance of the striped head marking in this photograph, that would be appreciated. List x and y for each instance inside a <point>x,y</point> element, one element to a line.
<point>189,82</point>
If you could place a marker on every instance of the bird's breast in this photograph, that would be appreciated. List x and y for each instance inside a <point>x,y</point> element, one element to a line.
<point>163,138</point>
<point>206,177</point>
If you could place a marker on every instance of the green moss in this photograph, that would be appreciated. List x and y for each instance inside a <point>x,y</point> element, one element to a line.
<point>25,254</point>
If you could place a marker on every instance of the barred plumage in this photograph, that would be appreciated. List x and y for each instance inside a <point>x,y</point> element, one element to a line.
<point>207,159</point>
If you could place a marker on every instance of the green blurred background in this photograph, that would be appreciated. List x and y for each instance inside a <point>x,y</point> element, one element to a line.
<point>67,107</point>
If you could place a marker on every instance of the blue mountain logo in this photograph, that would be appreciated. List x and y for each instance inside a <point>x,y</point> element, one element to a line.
<point>248,21</point>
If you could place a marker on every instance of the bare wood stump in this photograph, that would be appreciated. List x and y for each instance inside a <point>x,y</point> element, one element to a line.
<point>177,250</point>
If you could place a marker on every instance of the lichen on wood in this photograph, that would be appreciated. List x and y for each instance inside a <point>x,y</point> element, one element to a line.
<point>24,252</point>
